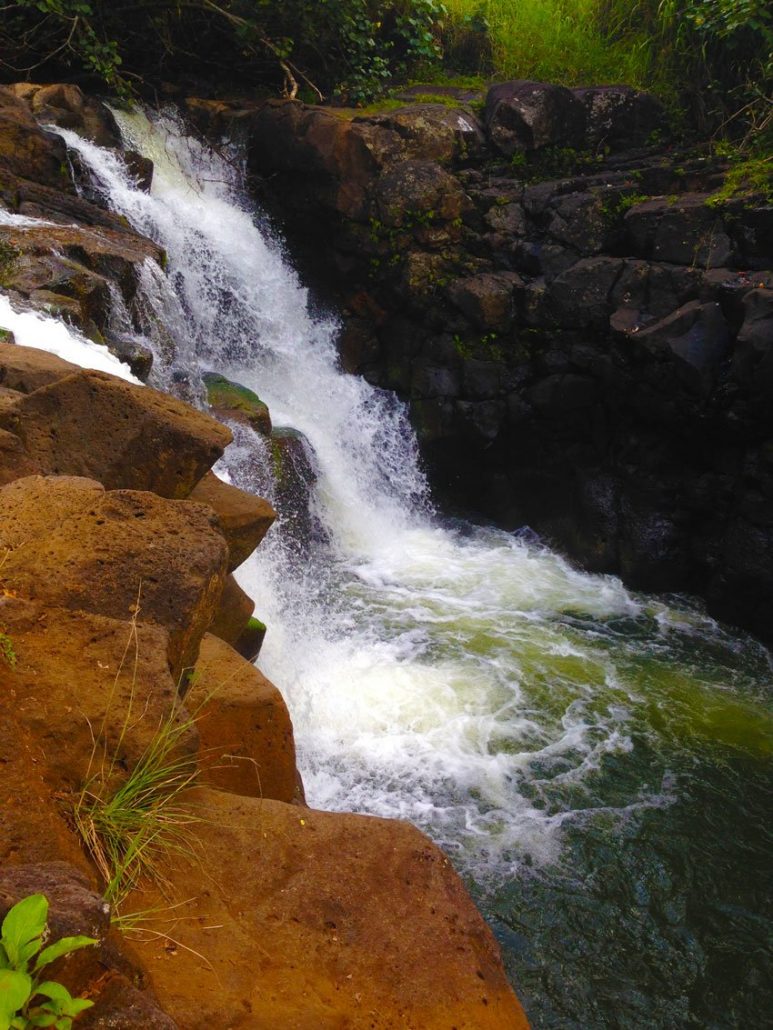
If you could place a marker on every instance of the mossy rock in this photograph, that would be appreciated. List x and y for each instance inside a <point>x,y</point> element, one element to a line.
<point>234,401</point>
<point>251,640</point>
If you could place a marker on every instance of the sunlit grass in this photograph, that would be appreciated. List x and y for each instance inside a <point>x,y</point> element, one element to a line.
<point>573,42</point>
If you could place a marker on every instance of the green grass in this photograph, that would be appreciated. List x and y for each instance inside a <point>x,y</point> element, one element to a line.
<point>130,829</point>
<point>572,42</point>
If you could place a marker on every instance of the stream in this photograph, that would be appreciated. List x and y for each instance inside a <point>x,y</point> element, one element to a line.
<point>595,762</point>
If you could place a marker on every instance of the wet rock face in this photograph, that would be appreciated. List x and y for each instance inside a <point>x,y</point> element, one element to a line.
<point>578,320</point>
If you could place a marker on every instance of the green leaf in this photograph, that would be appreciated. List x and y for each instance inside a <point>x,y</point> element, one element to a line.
<point>62,947</point>
<point>62,1002</point>
<point>57,992</point>
<point>15,988</point>
<point>80,1005</point>
<point>25,922</point>
<point>45,1019</point>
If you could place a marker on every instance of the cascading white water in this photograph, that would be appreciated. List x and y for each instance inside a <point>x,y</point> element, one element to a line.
<point>591,759</point>
<point>403,647</point>
<point>408,651</point>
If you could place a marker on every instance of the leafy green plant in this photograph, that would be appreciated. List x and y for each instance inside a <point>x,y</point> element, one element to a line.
<point>26,1000</point>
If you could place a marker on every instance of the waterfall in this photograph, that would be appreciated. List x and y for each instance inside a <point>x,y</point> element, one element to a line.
<point>376,638</point>
<point>528,716</point>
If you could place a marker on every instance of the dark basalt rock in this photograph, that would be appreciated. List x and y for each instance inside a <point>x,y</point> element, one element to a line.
<point>524,115</point>
<point>620,117</point>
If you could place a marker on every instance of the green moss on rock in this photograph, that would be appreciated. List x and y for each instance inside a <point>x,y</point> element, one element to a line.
<point>232,400</point>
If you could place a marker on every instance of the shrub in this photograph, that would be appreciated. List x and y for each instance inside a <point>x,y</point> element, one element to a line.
<point>352,47</point>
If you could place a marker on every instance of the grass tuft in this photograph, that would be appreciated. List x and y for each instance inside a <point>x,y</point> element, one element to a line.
<point>129,829</point>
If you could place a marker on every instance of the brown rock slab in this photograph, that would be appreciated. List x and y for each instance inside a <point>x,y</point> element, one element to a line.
<point>244,518</point>
<point>79,676</point>
<point>27,369</point>
<point>124,545</point>
<point>110,252</point>
<point>65,104</point>
<point>319,921</point>
<point>25,149</point>
<point>14,460</point>
<point>247,744</point>
<point>73,907</point>
<point>76,908</point>
<point>121,1006</point>
<point>52,499</point>
<point>32,827</point>
<point>92,424</point>
<point>233,612</point>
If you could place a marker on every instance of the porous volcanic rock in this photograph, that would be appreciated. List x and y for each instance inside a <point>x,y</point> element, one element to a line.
<point>26,369</point>
<point>124,548</point>
<point>233,612</point>
<point>79,676</point>
<point>619,117</point>
<point>244,518</point>
<point>33,827</point>
<point>92,424</point>
<point>309,920</point>
<point>247,744</point>
<point>75,908</point>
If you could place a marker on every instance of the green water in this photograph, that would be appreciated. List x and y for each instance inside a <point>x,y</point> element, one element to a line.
<point>654,916</point>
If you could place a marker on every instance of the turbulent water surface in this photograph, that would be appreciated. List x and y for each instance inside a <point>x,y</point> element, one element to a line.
<point>595,762</point>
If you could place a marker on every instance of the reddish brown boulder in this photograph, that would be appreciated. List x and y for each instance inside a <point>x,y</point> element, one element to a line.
<point>51,499</point>
<point>75,908</point>
<point>233,612</point>
<point>14,460</point>
<point>309,920</point>
<point>66,105</point>
<point>123,545</point>
<point>49,256</point>
<point>247,744</point>
<point>32,827</point>
<point>26,369</point>
<point>92,424</point>
<point>77,677</point>
<point>26,150</point>
<point>244,518</point>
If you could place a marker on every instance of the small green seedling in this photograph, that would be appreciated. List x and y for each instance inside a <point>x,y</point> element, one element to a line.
<point>25,998</point>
